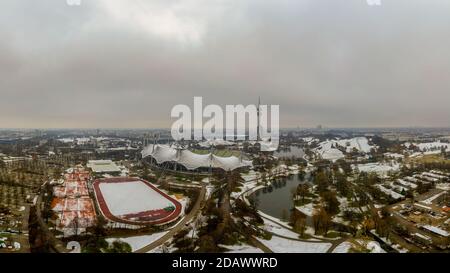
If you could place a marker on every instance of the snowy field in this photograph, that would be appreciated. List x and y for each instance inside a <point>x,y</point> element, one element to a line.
<point>329,149</point>
<point>138,242</point>
<point>343,248</point>
<point>281,245</point>
<point>132,197</point>
<point>307,209</point>
<point>429,146</point>
<point>242,249</point>
<point>379,168</point>
<point>274,219</point>
<point>279,230</point>
<point>331,154</point>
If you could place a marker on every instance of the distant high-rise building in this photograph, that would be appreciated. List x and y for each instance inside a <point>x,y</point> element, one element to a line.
<point>258,138</point>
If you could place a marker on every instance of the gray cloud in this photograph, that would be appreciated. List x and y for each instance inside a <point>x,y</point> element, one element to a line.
<point>113,63</point>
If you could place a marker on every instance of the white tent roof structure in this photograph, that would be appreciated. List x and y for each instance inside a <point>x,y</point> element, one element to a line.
<point>192,161</point>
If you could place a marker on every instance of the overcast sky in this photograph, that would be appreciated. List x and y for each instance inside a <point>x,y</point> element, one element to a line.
<point>126,63</point>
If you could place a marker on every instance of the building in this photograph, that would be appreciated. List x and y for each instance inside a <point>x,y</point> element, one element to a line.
<point>102,167</point>
<point>180,159</point>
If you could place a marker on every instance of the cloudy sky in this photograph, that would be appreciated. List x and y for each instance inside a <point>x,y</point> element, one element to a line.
<point>126,63</point>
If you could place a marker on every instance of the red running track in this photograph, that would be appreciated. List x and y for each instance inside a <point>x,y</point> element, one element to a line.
<point>150,217</point>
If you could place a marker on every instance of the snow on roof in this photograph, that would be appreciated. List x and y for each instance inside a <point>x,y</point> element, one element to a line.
<point>190,160</point>
<point>422,236</point>
<point>103,166</point>
<point>436,230</point>
<point>406,183</point>
<point>422,206</point>
<point>430,200</point>
<point>138,242</point>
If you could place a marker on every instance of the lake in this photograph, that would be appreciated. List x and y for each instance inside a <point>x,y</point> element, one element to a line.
<point>292,151</point>
<point>277,198</point>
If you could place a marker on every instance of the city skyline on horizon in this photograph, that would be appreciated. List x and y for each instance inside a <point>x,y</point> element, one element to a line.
<point>332,63</point>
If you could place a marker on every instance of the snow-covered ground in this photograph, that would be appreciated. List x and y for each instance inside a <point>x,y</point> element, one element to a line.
<point>331,154</point>
<point>307,209</point>
<point>443,186</point>
<point>430,146</point>
<point>166,248</point>
<point>372,246</point>
<point>242,249</point>
<point>209,191</point>
<point>329,149</point>
<point>251,175</point>
<point>326,151</point>
<point>274,219</point>
<point>359,143</point>
<point>245,187</point>
<point>397,247</point>
<point>378,167</point>
<point>434,175</point>
<point>279,230</point>
<point>343,247</point>
<point>138,242</point>
<point>132,197</point>
<point>281,245</point>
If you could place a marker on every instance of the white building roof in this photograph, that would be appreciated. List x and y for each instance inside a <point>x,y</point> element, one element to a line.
<point>103,166</point>
<point>190,160</point>
<point>436,230</point>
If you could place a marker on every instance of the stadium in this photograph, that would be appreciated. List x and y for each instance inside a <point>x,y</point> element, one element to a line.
<point>134,201</point>
<point>183,160</point>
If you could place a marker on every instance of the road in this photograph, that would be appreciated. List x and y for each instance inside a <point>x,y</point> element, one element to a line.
<point>179,226</point>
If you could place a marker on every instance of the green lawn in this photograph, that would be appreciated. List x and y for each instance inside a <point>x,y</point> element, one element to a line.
<point>222,153</point>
